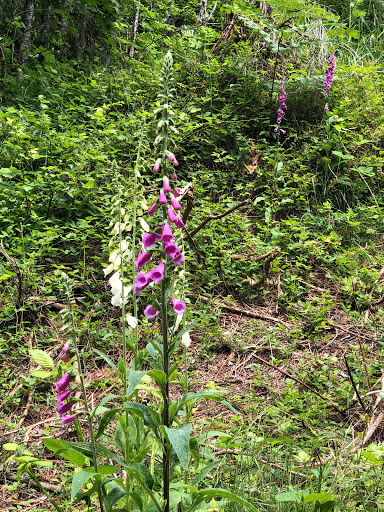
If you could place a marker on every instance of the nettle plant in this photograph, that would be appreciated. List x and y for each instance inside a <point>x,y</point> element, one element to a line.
<point>142,455</point>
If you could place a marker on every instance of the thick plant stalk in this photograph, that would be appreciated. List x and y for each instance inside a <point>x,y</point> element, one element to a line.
<point>134,31</point>
<point>25,39</point>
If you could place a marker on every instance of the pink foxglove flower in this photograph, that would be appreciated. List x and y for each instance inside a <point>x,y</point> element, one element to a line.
<point>62,383</point>
<point>178,222</point>
<point>174,176</point>
<point>166,233</point>
<point>162,198</point>
<point>175,204</point>
<point>178,306</point>
<point>141,283</point>
<point>171,215</point>
<point>142,259</point>
<point>63,396</point>
<point>63,408</point>
<point>157,273</point>
<point>149,239</point>
<point>150,312</point>
<point>176,192</point>
<point>68,419</point>
<point>156,167</point>
<point>178,259</point>
<point>171,250</point>
<point>171,157</point>
<point>167,187</point>
<point>175,162</point>
<point>152,209</point>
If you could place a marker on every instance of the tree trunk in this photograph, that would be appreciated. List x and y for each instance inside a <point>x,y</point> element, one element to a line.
<point>25,39</point>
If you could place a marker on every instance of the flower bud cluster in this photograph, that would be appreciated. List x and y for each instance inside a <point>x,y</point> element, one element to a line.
<point>280,111</point>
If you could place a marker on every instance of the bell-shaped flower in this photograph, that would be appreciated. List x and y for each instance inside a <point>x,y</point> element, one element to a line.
<point>186,340</point>
<point>178,222</point>
<point>63,408</point>
<point>156,167</point>
<point>175,204</point>
<point>67,419</point>
<point>166,234</point>
<point>162,197</point>
<point>63,396</point>
<point>176,192</point>
<point>171,250</point>
<point>149,239</point>
<point>152,209</point>
<point>142,260</point>
<point>62,383</point>
<point>171,215</point>
<point>150,312</point>
<point>167,187</point>
<point>141,282</point>
<point>178,259</point>
<point>174,176</point>
<point>65,356</point>
<point>178,306</point>
<point>132,321</point>
<point>157,273</point>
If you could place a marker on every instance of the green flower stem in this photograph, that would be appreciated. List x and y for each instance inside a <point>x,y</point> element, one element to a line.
<point>32,475</point>
<point>92,435</point>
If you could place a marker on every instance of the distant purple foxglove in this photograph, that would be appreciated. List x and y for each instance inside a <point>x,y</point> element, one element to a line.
<point>178,306</point>
<point>152,209</point>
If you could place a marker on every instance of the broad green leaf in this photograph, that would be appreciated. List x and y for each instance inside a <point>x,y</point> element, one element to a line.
<point>179,439</point>
<point>220,493</point>
<point>79,479</point>
<point>41,358</point>
<point>41,374</point>
<point>11,447</point>
<point>106,358</point>
<point>289,496</point>
<point>205,471</point>
<point>323,497</point>
<point>144,412</point>
<point>134,377</point>
<point>143,471</point>
<point>105,421</point>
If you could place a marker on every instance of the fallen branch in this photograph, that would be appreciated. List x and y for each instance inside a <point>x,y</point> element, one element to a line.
<point>245,312</point>
<point>263,281</point>
<point>220,216</point>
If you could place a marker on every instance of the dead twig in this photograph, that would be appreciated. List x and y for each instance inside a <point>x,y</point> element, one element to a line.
<point>263,281</point>
<point>219,216</point>
<point>251,257</point>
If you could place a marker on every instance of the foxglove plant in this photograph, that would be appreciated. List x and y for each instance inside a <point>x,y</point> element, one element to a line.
<point>280,111</point>
<point>329,78</point>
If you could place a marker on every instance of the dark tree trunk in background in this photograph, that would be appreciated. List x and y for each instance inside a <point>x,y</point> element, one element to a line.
<point>25,39</point>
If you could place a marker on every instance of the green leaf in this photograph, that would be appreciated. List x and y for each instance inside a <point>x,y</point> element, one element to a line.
<point>63,448</point>
<point>353,33</point>
<point>106,358</point>
<point>117,493</point>
<point>134,377</point>
<point>105,421</point>
<point>179,439</point>
<point>41,374</point>
<point>144,412</point>
<point>79,479</point>
<point>220,493</point>
<point>289,496</point>
<point>141,471</point>
<point>10,447</point>
<point>41,358</point>
<point>205,471</point>
<point>323,497</point>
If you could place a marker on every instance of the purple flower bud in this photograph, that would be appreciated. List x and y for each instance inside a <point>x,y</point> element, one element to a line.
<point>157,273</point>
<point>67,419</point>
<point>162,198</point>
<point>152,209</point>
<point>166,233</point>
<point>326,108</point>
<point>178,259</point>
<point>65,347</point>
<point>175,131</point>
<point>167,187</point>
<point>175,204</point>
<point>62,383</point>
<point>149,239</point>
<point>178,222</point>
<point>176,192</point>
<point>171,157</point>
<point>141,283</point>
<point>171,250</point>
<point>175,162</point>
<point>156,167</point>
<point>150,312</point>
<point>142,259</point>
<point>155,143</point>
<point>63,396</point>
<point>178,306</point>
<point>65,357</point>
<point>174,176</point>
<point>63,408</point>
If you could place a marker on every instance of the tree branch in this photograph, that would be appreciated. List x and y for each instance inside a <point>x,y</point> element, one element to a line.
<point>220,216</point>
